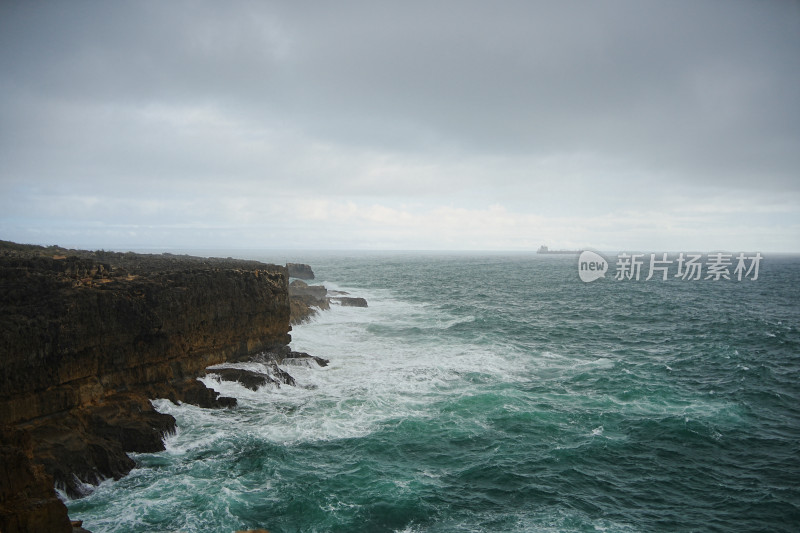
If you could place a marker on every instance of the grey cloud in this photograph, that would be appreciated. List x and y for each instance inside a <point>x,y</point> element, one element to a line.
<point>473,97</point>
<point>669,86</point>
<point>651,79</point>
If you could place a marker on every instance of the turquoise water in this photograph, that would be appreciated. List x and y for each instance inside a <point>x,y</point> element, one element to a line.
<point>498,393</point>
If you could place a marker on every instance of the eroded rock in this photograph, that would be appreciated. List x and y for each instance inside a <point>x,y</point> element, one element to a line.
<point>351,302</point>
<point>300,271</point>
<point>90,337</point>
<point>247,378</point>
<point>305,300</point>
<point>28,501</point>
<point>295,357</point>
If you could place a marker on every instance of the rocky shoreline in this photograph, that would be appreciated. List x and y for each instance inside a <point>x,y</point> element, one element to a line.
<point>89,338</point>
<point>306,300</point>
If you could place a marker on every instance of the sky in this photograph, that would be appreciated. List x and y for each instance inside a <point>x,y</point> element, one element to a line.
<point>415,125</point>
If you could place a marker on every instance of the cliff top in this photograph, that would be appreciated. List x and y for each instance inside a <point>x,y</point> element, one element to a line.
<point>134,263</point>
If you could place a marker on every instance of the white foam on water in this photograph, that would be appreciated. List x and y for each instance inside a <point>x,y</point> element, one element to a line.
<point>389,361</point>
<point>196,428</point>
<point>371,378</point>
<point>375,376</point>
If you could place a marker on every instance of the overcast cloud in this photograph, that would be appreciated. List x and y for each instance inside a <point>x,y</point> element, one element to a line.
<point>620,125</point>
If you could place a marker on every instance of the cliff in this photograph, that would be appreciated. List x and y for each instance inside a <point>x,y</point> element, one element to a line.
<point>305,300</point>
<point>87,338</point>
<point>300,271</point>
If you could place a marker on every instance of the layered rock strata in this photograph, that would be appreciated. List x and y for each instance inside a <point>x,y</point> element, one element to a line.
<point>87,338</point>
<point>300,271</point>
<point>305,300</point>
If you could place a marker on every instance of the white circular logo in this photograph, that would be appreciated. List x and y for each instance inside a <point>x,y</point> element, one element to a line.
<point>591,266</point>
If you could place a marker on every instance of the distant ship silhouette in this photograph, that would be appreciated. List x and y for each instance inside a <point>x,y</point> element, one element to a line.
<point>545,250</point>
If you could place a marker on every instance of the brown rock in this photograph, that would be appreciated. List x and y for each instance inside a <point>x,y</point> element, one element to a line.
<point>305,300</point>
<point>27,499</point>
<point>88,339</point>
<point>300,271</point>
<point>303,289</point>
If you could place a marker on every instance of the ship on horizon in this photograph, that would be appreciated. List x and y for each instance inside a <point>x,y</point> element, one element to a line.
<point>545,250</point>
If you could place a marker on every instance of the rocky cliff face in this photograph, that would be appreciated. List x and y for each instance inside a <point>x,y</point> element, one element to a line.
<point>27,499</point>
<point>305,300</point>
<point>300,271</point>
<point>87,338</point>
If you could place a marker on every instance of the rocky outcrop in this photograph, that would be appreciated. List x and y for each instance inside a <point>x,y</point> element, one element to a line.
<point>314,293</point>
<point>270,373</point>
<point>247,378</point>
<point>301,358</point>
<point>351,302</point>
<point>305,300</point>
<point>87,338</point>
<point>300,271</point>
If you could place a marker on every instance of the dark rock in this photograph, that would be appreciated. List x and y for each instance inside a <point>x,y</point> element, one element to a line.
<point>196,393</point>
<point>276,355</point>
<point>89,337</point>
<point>305,300</point>
<point>131,421</point>
<point>281,375</point>
<point>300,271</point>
<point>75,344</point>
<point>28,501</point>
<point>351,302</point>
<point>302,356</point>
<point>247,378</point>
<point>77,527</point>
<point>92,442</point>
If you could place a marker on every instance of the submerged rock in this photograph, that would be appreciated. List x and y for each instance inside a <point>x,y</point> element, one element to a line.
<point>304,357</point>
<point>351,302</point>
<point>272,360</point>
<point>281,375</point>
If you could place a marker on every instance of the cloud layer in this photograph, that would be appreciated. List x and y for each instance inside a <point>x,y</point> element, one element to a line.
<point>457,125</point>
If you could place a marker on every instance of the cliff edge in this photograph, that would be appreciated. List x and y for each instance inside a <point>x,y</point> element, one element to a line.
<point>88,338</point>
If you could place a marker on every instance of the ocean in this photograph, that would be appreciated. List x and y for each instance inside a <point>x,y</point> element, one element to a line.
<point>497,392</point>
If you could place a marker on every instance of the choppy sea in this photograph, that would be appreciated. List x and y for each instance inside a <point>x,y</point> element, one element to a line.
<point>497,392</point>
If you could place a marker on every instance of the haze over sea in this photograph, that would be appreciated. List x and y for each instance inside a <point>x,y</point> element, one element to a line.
<point>496,392</point>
